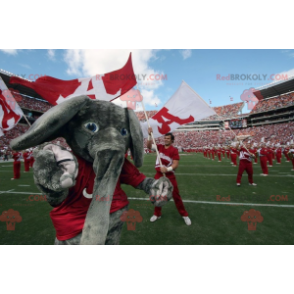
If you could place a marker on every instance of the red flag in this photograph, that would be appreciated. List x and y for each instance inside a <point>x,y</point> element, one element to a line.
<point>10,112</point>
<point>101,87</point>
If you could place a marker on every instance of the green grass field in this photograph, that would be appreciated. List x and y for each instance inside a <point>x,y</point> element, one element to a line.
<point>208,188</point>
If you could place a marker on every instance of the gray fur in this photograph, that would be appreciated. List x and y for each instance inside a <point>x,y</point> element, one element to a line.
<point>114,232</point>
<point>119,129</point>
<point>48,176</point>
<point>160,190</point>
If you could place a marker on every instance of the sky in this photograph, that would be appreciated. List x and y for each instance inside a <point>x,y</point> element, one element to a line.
<point>160,72</point>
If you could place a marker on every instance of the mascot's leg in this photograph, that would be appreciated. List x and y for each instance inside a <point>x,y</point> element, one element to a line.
<point>115,227</point>
<point>113,235</point>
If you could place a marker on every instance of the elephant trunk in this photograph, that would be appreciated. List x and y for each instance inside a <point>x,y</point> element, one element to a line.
<point>107,166</point>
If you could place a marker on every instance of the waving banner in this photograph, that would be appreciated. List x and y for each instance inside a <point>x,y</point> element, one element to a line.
<point>185,106</point>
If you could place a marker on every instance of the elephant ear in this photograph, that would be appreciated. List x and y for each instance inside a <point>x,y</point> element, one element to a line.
<point>137,145</point>
<point>48,127</point>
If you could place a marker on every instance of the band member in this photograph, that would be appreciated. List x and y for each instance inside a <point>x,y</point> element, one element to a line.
<point>228,152</point>
<point>219,154</point>
<point>32,159</point>
<point>270,157</point>
<point>16,165</point>
<point>213,152</point>
<point>263,152</point>
<point>234,153</point>
<point>291,156</point>
<point>253,150</point>
<point>286,151</point>
<point>169,156</point>
<point>26,157</point>
<point>279,154</point>
<point>245,163</point>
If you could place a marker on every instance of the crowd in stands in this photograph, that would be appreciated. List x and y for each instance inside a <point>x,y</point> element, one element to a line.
<point>34,104</point>
<point>274,103</point>
<point>225,112</point>
<point>19,130</point>
<point>278,133</point>
<point>141,115</point>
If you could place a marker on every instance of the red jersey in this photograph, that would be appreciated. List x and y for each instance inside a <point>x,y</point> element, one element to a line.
<point>16,156</point>
<point>244,154</point>
<point>234,150</point>
<point>26,156</point>
<point>69,217</point>
<point>167,156</point>
<point>263,152</point>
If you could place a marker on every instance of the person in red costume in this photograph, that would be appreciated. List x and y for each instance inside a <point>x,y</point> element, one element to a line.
<point>270,157</point>
<point>16,165</point>
<point>26,157</point>
<point>169,156</point>
<point>291,155</point>
<point>253,150</point>
<point>263,153</point>
<point>234,153</point>
<point>279,154</point>
<point>32,159</point>
<point>228,152</point>
<point>219,154</point>
<point>286,151</point>
<point>213,152</point>
<point>245,163</point>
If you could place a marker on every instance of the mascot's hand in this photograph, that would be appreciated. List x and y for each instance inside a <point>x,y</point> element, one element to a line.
<point>161,191</point>
<point>55,171</point>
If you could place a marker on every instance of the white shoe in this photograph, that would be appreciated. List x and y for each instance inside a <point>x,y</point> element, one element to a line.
<point>12,179</point>
<point>238,184</point>
<point>264,175</point>
<point>254,162</point>
<point>187,220</point>
<point>253,184</point>
<point>292,169</point>
<point>270,166</point>
<point>154,218</point>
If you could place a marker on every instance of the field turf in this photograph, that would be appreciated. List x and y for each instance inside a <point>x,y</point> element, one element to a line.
<point>208,188</point>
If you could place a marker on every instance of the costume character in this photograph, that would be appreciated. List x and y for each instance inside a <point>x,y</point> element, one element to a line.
<point>99,134</point>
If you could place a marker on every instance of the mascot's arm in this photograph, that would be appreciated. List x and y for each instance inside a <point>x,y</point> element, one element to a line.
<point>160,191</point>
<point>55,171</point>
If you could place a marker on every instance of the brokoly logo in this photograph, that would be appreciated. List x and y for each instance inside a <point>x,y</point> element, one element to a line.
<point>131,217</point>
<point>10,217</point>
<point>252,217</point>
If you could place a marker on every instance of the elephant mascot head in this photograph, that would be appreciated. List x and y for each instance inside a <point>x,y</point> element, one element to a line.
<point>100,132</point>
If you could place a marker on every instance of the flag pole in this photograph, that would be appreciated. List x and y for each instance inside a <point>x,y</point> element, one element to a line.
<point>143,106</point>
<point>24,116</point>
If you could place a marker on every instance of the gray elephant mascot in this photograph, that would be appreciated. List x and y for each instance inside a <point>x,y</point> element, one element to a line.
<point>83,186</point>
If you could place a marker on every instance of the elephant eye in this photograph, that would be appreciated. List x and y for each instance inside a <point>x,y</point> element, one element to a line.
<point>92,127</point>
<point>123,131</point>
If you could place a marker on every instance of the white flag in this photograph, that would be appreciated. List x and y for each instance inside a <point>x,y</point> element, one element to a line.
<point>185,106</point>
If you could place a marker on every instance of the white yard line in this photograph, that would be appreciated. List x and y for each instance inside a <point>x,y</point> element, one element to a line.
<point>1,192</point>
<point>225,175</point>
<point>223,203</point>
<point>186,201</point>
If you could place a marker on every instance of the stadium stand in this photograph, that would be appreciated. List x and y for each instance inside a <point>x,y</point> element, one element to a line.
<point>272,119</point>
<point>274,103</point>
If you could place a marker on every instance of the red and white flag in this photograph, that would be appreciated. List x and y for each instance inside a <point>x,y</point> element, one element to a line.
<point>185,106</point>
<point>10,112</point>
<point>101,87</point>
